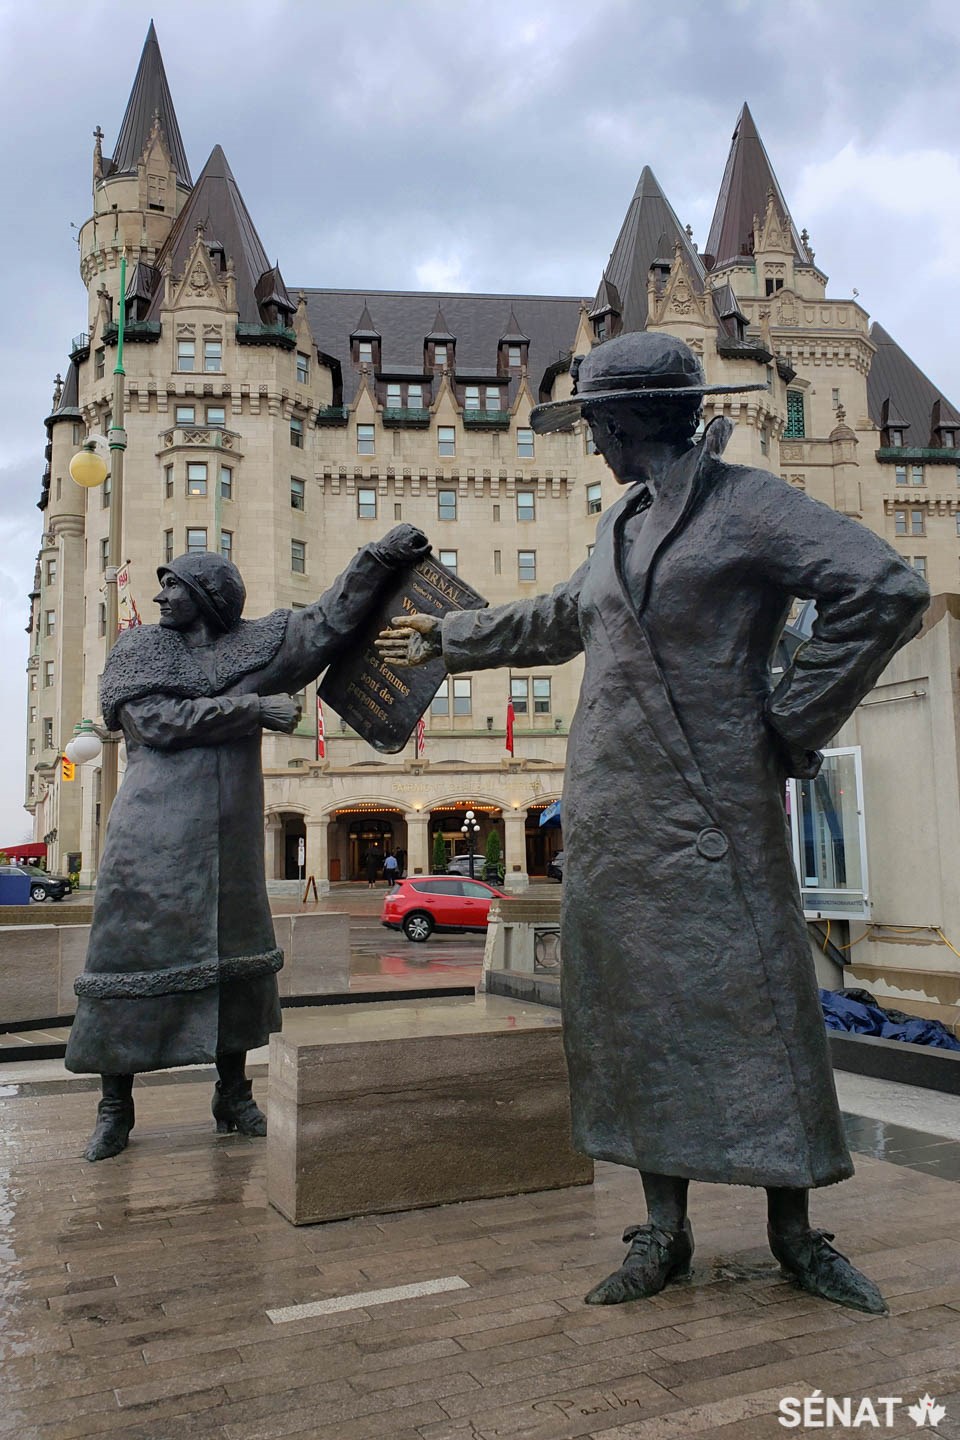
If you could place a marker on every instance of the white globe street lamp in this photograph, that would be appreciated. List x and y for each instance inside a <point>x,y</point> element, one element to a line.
<point>470,830</point>
<point>85,744</point>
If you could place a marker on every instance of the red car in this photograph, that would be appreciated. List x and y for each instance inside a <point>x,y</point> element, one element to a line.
<point>425,903</point>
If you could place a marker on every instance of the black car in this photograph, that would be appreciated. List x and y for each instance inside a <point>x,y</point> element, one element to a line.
<point>555,867</point>
<point>460,865</point>
<point>42,885</point>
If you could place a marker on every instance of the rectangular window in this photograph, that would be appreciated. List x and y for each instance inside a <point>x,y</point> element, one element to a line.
<point>186,355</point>
<point>99,363</point>
<point>104,552</point>
<point>917,523</point>
<point>102,609</point>
<point>835,399</point>
<point>50,626</point>
<point>197,479</point>
<point>764,441</point>
<point>184,415</point>
<point>296,432</point>
<point>919,563</point>
<point>168,481</point>
<point>226,482</point>
<point>167,553</point>
<point>462,702</point>
<point>895,436</point>
<point>526,505</point>
<point>48,674</point>
<point>900,522</point>
<point>493,397</point>
<point>446,504</point>
<point>212,356</point>
<point>415,397</point>
<point>47,733</point>
<point>526,565</point>
<point>796,427</point>
<point>196,541</point>
<point>519,694</point>
<point>365,440</point>
<point>51,571</point>
<point>497,562</point>
<point>514,355</point>
<point>524,444</point>
<point>298,557</point>
<point>440,704</point>
<point>216,415</point>
<point>226,544</point>
<point>105,492</point>
<point>394,397</point>
<point>496,514</point>
<point>303,368</point>
<point>33,747</point>
<point>594,499</point>
<point>33,714</point>
<point>367,504</point>
<point>590,445</point>
<point>916,475</point>
<point>541,695</point>
<point>471,397</point>
<point>298,493</point>
<point>439,354</point>
<point>446,440</point>
<point>365,352</point>
<point>957,517</point>
<point>900,474</point>
<point>449,558</point>
<point>397,511</point>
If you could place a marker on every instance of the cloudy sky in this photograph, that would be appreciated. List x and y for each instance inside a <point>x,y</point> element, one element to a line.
<point>431,144</point>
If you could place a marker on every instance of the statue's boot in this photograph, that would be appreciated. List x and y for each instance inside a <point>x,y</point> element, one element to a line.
<point>114,1118</point>
<point>808,1258</point>
<point>234,1107</point>
<point>655,1258</point>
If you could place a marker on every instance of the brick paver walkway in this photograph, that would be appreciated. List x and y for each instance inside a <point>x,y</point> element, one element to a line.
<point>135,1294</point>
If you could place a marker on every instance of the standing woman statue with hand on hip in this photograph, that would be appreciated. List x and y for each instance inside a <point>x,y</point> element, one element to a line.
<point>182,961</point>
<point>695,1043</point>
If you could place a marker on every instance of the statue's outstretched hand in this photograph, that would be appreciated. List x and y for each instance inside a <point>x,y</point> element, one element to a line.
<point>411,640</point>
<point>279,712</point>
<point>402,546</point>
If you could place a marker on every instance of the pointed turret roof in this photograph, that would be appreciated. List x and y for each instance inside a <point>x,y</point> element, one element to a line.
<point>899,394</point>
<point>68,405</point>
<point>650,231</point>
<point>217,205</point>
<point>439,330</point>
<point>365,328</point>
<point>746,182</point>
<point>513,335</point>
<point>149,97</point>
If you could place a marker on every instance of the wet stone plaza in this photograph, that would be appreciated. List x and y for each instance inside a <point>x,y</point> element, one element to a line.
<point>158,1295</point>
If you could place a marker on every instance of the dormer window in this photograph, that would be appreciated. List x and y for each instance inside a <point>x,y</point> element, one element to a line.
<point>365,352</point>
<point>948,439</point>
<point>600,328</point>
<point>481,397</point>
<point>514,356</point>
<point>440,353</point>
<point>896,438</point>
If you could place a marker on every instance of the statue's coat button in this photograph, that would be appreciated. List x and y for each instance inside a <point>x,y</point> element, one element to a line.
<point>712,844</point>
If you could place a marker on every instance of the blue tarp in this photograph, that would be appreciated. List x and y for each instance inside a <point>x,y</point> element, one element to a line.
<point>550,815</point>
<point>842,1012</point>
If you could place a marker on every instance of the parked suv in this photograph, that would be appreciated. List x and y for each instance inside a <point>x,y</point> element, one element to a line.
<point>555,867</point>
<point>460,865</point>
<point>42,885</point>
<point>425,903</point>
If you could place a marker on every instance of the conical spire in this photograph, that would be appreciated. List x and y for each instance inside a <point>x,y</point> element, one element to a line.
<point>439,330</point>
<point>149,98</point>
<point>217,207</point>
<point>365,328</point>
<point>513,335</point>
<point>747,180</point>
<point>650,231</point>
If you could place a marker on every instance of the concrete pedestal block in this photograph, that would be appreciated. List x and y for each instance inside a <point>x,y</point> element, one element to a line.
<point>29,972</point>
<point>402,1106</point>
<point>316,953</point>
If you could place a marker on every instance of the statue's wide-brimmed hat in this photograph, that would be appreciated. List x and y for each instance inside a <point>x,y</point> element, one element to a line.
<point>216,585</point>
<point>642,365</point>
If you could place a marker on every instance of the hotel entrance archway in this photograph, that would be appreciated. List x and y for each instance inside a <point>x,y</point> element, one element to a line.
<point>543,842</point>
<point>357,832</point>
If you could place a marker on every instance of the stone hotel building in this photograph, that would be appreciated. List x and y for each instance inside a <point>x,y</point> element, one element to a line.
<point>287,425</point>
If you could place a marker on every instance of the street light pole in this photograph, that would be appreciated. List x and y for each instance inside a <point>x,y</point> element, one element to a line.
<point>117,438</point>
<point>471,830</point>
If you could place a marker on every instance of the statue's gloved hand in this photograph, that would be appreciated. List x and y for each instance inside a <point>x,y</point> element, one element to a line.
<point>279,712</point>
<point>411,640</point>
<point>402,546</point>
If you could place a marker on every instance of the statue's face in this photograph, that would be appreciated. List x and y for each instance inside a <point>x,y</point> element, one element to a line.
<point>178,609</point>
<point>626,433</point>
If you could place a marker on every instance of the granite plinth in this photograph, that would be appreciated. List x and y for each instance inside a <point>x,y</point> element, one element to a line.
<point>415,1105</point>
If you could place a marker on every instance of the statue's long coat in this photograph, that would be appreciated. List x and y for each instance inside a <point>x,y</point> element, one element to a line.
<point>182,958</point>
<point>694,1038</point>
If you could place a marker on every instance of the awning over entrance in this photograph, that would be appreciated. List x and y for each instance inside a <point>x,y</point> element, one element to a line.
<point>28,851</point>
<point>550,816</point>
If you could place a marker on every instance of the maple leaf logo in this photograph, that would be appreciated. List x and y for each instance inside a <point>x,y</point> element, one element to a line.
<point>926,1411</point>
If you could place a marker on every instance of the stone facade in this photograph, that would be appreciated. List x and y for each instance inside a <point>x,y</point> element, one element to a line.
<point>269,425</point>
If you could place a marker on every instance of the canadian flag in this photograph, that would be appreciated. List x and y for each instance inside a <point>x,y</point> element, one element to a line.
<point>421,741</point>
<point>321,734</point>
<point>509,740</point>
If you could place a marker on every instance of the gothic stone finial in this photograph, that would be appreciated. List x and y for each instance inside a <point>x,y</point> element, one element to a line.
<point>688,231</point>
<point>97,154</point>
